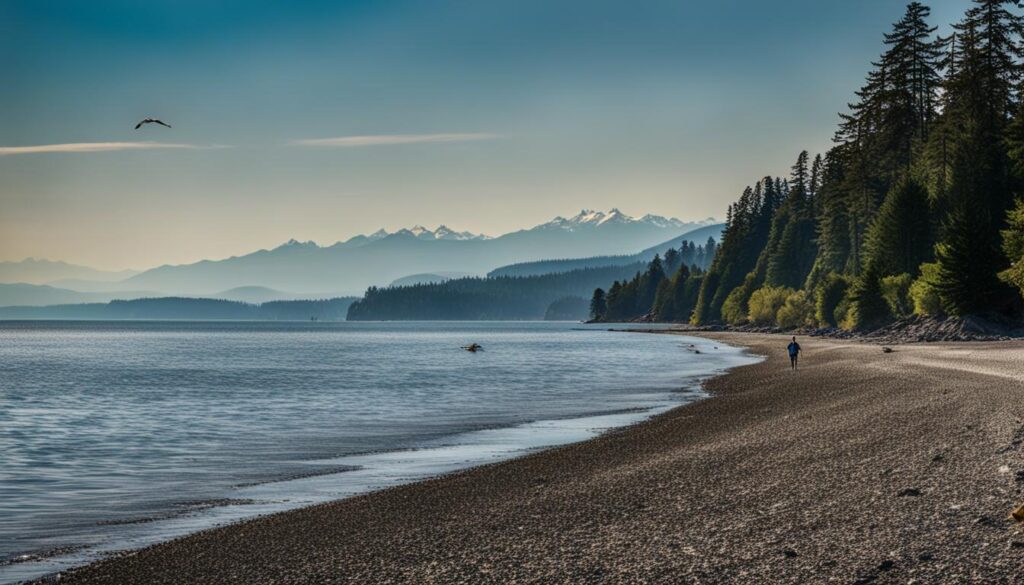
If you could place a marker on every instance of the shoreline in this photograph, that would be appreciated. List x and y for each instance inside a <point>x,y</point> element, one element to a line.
<point>863,465</point>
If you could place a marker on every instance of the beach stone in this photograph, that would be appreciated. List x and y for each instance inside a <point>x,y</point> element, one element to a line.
<point>1018,513</point>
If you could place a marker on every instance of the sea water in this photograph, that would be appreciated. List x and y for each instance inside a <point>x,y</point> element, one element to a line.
<point>117,435</point>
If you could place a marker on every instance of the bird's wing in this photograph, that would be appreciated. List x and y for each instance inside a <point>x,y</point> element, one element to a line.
<point>139,125</point>
<point>161,123</point>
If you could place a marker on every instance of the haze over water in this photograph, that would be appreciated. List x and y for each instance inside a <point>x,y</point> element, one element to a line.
<point>116,435</point>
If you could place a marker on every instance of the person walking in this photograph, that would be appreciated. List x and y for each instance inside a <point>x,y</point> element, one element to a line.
<point>794,352</point>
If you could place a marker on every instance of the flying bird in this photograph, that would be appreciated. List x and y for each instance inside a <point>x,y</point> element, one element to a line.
<point>150,121</point>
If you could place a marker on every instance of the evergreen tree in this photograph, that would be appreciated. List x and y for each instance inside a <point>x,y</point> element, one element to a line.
<point>672,257</point>
<point>966,281</point>
<point>648,286</point>
<point>899,239</point>
<point>869,306</point>
<point>980,103</point>
<point>597,304</point>
<point>685,288</point>
<point>792,255</point>
<point>833,221</point>
<point>614,302</point>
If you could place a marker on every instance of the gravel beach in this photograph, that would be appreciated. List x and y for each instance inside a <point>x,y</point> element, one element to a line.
<point>861,467</point>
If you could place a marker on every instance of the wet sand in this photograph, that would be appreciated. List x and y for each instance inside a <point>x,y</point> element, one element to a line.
<point>861,467</point>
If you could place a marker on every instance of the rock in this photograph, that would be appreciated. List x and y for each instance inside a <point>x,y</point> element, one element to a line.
<point>1018,514</point>
<point>909,492</point>
<point>790,553</point>
<point>886,350</point>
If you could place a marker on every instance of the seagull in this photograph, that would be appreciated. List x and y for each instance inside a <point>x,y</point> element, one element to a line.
<point>150,121</point>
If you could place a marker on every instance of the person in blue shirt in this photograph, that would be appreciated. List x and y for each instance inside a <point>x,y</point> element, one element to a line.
<point>794,352</point>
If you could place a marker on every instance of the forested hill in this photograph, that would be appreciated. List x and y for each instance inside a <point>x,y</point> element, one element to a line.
<point>188,309</point>
<point>696,248</point>
<point>911,211</point>
<point>503,298</point>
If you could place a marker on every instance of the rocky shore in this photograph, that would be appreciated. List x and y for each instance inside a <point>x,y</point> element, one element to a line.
<point>906,330</point>
<point>861,467</point>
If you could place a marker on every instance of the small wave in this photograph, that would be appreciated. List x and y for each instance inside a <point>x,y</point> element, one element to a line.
<point>41,555</point>
<point>180,508</point>
<point>304,475</point>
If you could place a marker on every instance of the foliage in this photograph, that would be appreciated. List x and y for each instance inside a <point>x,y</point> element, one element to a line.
<point>797,311</point>
<point>766,302</point>
<point>1013,243</point>
<point>868,307</point>
<point>831,292</point>
<point>896,292</point>
<point>966,281</point>
<point>899,238</point>
<point>734,309</point>
<point>923,293</point>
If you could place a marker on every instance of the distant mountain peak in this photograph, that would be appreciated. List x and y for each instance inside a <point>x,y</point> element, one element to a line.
<point>591,218</point>
<point>420,232</point>
<point>293,243</point>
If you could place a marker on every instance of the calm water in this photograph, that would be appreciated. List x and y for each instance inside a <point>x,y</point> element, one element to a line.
<point>117,435</point>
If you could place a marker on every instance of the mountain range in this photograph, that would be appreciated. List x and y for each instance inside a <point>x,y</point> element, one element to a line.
<point>698,236</point>
<point>37,271</point>
<point>309,270</point>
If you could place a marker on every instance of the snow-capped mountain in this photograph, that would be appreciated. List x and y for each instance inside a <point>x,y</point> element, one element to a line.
<point>442,232</point>
<point>589,218</point>
<point>419,232</point>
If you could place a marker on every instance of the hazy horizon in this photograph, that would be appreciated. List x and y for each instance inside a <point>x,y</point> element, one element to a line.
<point>319,121</point>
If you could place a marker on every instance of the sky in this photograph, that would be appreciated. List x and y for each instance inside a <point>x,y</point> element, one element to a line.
<point>322,120</point>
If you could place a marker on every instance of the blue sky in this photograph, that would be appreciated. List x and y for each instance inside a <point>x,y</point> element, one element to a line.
<point>512,112</point>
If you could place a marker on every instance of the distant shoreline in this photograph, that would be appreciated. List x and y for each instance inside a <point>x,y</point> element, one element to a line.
<point>862,465</point>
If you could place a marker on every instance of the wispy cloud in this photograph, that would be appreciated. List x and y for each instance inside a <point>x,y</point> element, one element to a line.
<point>99,147</point>
<point>386,139</point>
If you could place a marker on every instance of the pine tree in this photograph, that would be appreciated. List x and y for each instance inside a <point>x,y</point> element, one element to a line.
<point>672,260</point>
<point>793,253</point>
<point>648,286</point>
<point>899,239</point>
<point>980,103</point>
<point>869,306</point>
<point>597,304</point>
<point>833,221</point>
<point>967,283</point>
<point>614,302</point>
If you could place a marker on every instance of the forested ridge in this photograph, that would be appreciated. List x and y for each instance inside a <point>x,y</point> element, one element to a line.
<point>914,210</point>
<point>501,298</point>
<point>690,253</point>
<point>558,295</point>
